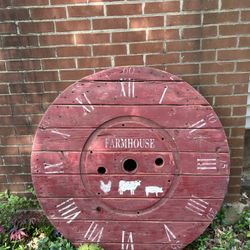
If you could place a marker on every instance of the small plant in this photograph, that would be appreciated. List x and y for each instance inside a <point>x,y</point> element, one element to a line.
<point>89,247</point>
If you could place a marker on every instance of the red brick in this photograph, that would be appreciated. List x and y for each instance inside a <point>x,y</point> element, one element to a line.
<point>217,43</point>
<point>58,63</point>
<point>217,67</point>
<point>230,100</point>
<point>236,54</point>
<point>236,142</point>
<point>85,11</point>
<point>163,59</point>
<point>144,22</point>
<point>233,78</point>
<point>232,4</point>
<point>128,60</point>
<point>236,132</point>
<point>216,90</point>
<point>41,76</point>
<point>183,45</point>
<point>236,171</point>
<point>76,51</point>
<point>144,48</point>
<point>19,41</point>
<point>56,40</point>
<point>185,19</point>
<point>199,32</point>
<point>244,42</point>
<point>6,28</point>
<point>232,121</point>
<point>124,9</point>
<point>23,65</point>
<point>5,110</point>
<point>27,2</point>
<point>14,14</point>
<point>237,29</point>
<point>28,109</point>
<point>110,23</point>
<point>68,1</point>
<point>243,66</point>
<point>96,38</point>
<point>198,56</point>
<point>77,25</point>
<point>181,69</point>
<point>74,75</point>
<point>36,27</point>
<point>132,36</point>
<point>234,189</point>
<point>240,88</point>
<point>28,87</point>
<point>9,150</point>
<point>19,178</point>
<point>167,34</point>
<point>9,77</point>
<point>48,13</point>
<point>225,111</point>
<point>236,152</point>
<point>94,62</point>
<point>232,198</point>
<point>18,140</point>
<point>200,5</point>
<point>245,16</point>
<point>3,179</point>
<point>221,17</point>
<point>38,53</point>
<point>162,7</point>
<point>58,86</point>
<point>108,49</point>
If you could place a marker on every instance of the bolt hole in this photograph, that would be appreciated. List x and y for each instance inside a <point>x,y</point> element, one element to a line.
<point>159,161</point>
<point>129,165</point>
<point>98,209</point>
<point>123,125</point>
<point>98,193</point>
<point>169,181</point>
<point>138,212</point>
<point>101,170</point>
<point>162,139</point>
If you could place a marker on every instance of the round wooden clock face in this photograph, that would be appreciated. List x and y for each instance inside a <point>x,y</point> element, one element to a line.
<point>132,158</point>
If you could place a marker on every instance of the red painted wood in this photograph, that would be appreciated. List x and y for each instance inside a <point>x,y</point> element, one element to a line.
<point>65,116</point>
<point>187,162</point>
<point>123,113</point>
<point>204,140</point>
<point>178,93</point>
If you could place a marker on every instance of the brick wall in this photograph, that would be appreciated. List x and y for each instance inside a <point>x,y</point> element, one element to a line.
<point>46,45</point>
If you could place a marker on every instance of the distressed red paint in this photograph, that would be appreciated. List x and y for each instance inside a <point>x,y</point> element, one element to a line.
<point>129,157</point>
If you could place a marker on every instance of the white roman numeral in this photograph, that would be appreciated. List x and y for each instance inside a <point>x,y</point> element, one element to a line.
<point>163,94</point>
<point>64,135</point>
<point>128,88</point>
<point>197,206</point>
<point>200,124</point>
<point>170,235</point>
<point>85,108</point>
<point>211,118</point>
<point>94,233</point>
<point>129,243</point>
<point>68,210</point>
<point>207,164</point>
<point>53,168</point>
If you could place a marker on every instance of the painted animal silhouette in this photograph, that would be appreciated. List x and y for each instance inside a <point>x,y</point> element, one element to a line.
<point>105,187</point>
<point>153,190</point>
<point>128,186</point>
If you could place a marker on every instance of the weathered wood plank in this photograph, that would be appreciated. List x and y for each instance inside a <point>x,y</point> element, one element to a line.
<point>187,163</point>
<point>203,140</point>
<point>132,73</point>
<point>167,232</point>
<point>175,210</point>
<point>53,185</point>
<point>66,116</point>
<point>130,93</point>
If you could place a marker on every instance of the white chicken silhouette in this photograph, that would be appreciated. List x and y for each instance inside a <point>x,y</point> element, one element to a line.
<point>105,187</point>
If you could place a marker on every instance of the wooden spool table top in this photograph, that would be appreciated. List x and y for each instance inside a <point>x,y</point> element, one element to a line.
<point>132,158</point>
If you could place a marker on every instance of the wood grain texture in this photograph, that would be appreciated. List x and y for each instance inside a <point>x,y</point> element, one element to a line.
<point>132,158</point>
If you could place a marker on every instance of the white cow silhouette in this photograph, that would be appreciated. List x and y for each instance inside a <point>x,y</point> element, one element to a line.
<point>153,190</point>
<point>128,186</point>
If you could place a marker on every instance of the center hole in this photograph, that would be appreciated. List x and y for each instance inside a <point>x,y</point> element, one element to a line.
<point>129,165</point>
<point>159,161</point>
